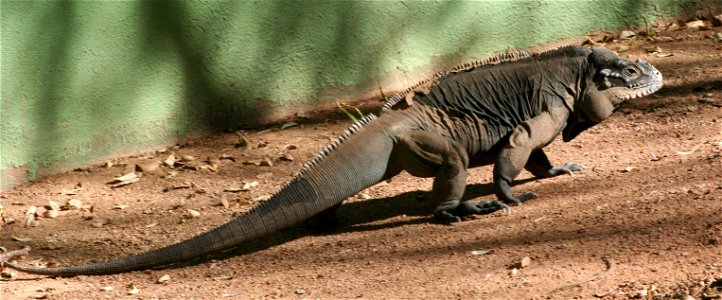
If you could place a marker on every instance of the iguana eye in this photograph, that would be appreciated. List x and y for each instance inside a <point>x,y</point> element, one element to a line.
<point>630,72</point>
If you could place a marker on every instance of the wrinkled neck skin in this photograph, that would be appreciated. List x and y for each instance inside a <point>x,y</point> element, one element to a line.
<point>597,106</point>
<point>591,107</point>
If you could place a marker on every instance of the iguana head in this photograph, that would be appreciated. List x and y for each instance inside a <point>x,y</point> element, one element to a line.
<point>614,81</point>
<point>620,79</point>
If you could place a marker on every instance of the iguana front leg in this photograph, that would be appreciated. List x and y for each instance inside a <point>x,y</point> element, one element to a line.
<point>540,166</point>
<point>427,154</point>
<point>527,138</point>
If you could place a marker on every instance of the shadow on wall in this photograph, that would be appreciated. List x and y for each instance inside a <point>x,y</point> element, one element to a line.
<point>306,49</point>
<point>79,93</point>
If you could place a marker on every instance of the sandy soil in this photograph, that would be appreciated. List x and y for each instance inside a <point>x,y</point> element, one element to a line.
<point>644,221</point>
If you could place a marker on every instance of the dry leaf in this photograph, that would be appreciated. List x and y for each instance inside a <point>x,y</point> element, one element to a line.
<point>626,34</point>
<point>170,161</point>
<point>228,157</point>
<point>70,192</point>
<point>21,239</point>
<point>133,290</point>
<point>288,125</point>
<point>261,198</point>
<point>151,225</point>
<point>126,179</point>
<point>100,222</point>
<point>695,24</point>
<point>481,252</point>
<point>224,201</point>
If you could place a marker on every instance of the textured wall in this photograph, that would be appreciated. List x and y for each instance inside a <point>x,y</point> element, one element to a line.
<point>86,80</point>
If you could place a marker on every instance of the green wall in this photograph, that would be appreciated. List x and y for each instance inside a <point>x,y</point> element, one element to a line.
<point>82,81</point>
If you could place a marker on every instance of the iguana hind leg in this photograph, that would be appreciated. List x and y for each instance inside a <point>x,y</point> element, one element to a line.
<point>426,154</point>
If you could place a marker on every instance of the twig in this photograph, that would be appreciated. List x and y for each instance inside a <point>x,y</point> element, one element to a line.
<point>10,254</point>
<point>610,265</point>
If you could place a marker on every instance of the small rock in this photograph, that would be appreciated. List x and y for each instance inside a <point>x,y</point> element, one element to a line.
<point>7,274</point>
<point>286,157</point>
<point>654,157</point>
<point>52,205</point>
<point>74,204</point>
<point>106,288</point>
<point>148,167</point>
<point>187,158</point>
<point>641,293</point>
<point>164,278</point>
<point>193,213</point>
<point>513,272</point>
<point>50,214</point>
<point>249,186</point>
<point>364,196</point>
<point>628,169</point>
<point>300,291</point>
<point>522,262</point>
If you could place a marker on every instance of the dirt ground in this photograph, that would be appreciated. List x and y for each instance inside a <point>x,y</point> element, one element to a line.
<point>643,221</point>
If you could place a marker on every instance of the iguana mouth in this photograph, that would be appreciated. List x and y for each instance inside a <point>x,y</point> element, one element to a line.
<point>624,93</point>
<point>630,91</point>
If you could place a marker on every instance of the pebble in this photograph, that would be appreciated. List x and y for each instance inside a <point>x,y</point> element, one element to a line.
<point>522,262</point>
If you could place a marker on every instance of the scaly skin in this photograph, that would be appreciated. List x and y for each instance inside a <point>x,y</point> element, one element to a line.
<point>503,110</point>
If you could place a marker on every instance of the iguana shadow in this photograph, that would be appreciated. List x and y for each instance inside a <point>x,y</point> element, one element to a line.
<point>353,217</point>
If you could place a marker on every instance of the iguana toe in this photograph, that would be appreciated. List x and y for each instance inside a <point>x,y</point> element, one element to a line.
<point>567,168</point>
<point>446,217</point>
<point>518,199</point>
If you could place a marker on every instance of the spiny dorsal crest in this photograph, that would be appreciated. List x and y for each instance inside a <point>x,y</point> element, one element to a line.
<point>425,86</point>
<point>334,143</point>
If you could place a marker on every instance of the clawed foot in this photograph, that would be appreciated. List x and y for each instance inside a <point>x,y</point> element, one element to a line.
<point>466,208</point>
<point>567,168</point>
<point>518,199</point>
